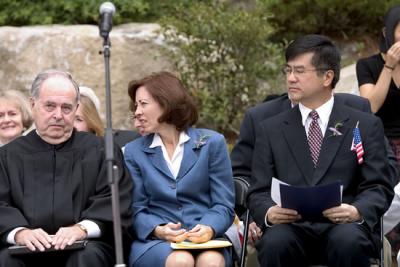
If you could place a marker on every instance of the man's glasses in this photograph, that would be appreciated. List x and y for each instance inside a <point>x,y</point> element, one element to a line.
<point>298,70</point>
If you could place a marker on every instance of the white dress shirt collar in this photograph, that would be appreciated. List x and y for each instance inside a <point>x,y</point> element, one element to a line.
<point>324,112</point>
<point>174,164</point>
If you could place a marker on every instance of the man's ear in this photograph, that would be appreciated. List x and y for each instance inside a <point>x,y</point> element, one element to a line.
<point>384,31</point>
<point>329,75</point>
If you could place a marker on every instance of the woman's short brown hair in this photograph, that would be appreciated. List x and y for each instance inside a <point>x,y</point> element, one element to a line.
<point>169,92</point>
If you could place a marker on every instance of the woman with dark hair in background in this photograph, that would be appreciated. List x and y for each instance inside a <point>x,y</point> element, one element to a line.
<point>379,78</point>
<point>379,81</point>
<point>183,186</point>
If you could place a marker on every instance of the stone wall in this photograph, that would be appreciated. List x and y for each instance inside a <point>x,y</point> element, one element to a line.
<point>135,52</point>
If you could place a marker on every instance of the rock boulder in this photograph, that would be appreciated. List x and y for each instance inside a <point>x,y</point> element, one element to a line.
<point>135,52</point>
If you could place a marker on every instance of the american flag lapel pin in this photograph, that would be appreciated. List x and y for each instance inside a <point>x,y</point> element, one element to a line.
<point>357,145</point>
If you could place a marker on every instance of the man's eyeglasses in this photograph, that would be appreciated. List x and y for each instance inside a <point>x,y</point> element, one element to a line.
<point>298,70</point>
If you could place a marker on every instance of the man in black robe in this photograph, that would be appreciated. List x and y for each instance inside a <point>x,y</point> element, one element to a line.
<point>53,185</point>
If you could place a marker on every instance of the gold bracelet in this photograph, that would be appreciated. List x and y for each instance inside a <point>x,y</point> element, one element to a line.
<point>83,228</point>
<point>389,67</point>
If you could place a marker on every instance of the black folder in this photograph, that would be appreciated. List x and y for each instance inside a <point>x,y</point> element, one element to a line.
<point>311,201</point>
<point>21,250</point>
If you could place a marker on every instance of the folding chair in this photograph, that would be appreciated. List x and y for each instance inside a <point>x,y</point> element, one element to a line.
<point>241,188</point>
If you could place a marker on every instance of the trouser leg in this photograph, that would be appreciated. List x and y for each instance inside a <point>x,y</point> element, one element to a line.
<point>95,254</point>
<point>349,245</point>
<point>283,245</point>
<point>6,260</point>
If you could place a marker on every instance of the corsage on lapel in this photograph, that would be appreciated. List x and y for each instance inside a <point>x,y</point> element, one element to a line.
<point>335,130</point>
<point>201,141</point>
<point>357,145</point>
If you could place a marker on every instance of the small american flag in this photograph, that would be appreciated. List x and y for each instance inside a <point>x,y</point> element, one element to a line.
<point>357,145</point>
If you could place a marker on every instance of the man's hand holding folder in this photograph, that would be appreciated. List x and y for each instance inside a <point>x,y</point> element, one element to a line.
<point>278,215</point>
<point>312,203</point>
<point>344,213</point>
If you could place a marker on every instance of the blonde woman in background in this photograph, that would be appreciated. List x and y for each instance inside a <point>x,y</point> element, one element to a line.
<point>15,115</point>
<point>87,118</point>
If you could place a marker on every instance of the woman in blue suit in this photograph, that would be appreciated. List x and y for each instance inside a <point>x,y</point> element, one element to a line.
<point>183,186</point>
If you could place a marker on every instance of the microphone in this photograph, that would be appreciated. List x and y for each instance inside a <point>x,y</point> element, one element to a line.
<point>107,10</point>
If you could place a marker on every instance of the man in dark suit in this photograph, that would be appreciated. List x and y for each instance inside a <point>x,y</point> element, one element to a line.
<point>242,152</point>
<point>282,150</point>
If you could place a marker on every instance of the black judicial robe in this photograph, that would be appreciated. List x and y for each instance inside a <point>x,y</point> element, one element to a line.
<point>51,186</point>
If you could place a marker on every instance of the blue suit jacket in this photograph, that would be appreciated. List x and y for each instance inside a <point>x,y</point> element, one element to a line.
<point>202,193</point>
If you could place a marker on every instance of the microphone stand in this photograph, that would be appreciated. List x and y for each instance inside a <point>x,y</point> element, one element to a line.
<point>112,169</point>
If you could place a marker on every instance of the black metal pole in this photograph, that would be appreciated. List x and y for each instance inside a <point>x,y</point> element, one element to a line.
<point>112,169</point>
<point>245,237</point>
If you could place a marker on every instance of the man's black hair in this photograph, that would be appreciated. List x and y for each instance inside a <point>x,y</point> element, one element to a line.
<point>326,54</point>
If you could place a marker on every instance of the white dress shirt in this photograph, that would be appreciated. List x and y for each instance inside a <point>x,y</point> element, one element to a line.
<point>174,164</point>
<point>324,112</point>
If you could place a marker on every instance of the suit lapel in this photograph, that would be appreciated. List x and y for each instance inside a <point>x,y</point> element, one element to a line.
<point>189,155</point>
<point>331,143</point>
<point>296,139</point>
<point>156,156</point>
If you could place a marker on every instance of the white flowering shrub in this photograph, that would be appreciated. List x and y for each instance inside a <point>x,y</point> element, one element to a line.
<point>226,60</point>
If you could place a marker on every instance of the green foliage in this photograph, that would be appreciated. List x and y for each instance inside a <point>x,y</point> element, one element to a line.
<point>32,12</point>
<point>342,18</point>
<point>290,18</point>
<point>225,59</point>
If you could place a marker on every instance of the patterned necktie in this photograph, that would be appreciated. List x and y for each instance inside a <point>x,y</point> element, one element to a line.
<point>314,137</point>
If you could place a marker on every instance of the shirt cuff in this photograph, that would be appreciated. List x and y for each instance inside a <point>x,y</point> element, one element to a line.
<point>266,221</point>
<point>360,221</point>
<point>93,230</point>
<point>11,235</point>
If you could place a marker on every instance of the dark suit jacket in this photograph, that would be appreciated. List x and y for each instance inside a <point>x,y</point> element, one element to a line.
<point>122,137</point>
<point>242,152</point>
<point>282,151</point>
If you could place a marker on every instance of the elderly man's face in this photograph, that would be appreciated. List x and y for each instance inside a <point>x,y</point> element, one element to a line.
<point>54,110</point>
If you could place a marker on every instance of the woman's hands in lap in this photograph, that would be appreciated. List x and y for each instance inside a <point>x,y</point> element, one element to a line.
<point>200,233</point>
<point>173,232</point>
<point>170,232</point>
